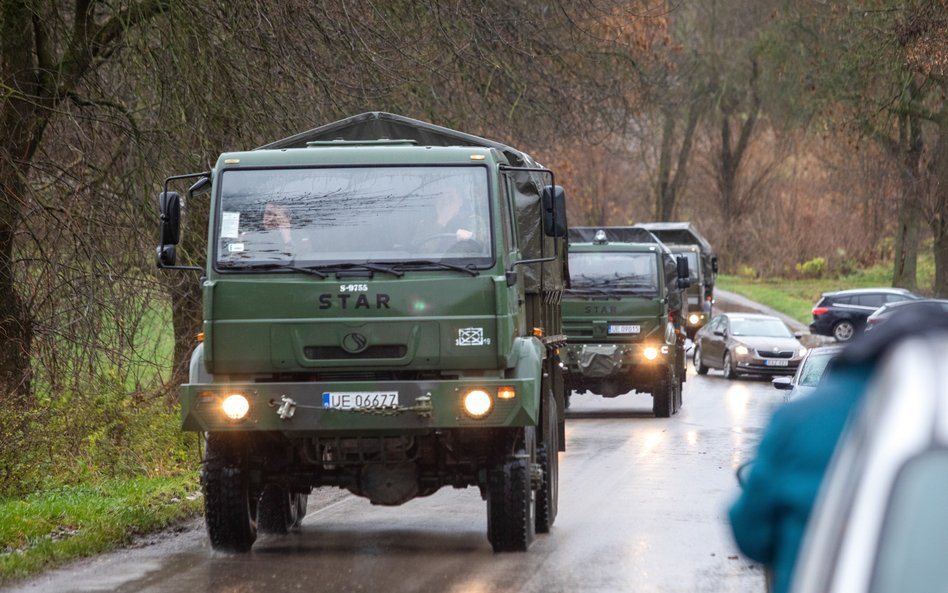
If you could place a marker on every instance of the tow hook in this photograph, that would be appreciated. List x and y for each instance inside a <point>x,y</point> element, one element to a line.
<point>287,408</point>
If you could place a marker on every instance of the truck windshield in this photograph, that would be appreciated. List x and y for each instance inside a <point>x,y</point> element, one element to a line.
<point>313,217</point>
<point>635,271</point>
<point>693,268</point>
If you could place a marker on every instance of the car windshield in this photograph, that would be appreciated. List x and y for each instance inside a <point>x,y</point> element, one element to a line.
<point>636,271</point>
<point>915,533</point>
<point>768,328</point>
<point>814,367</point>
<point>322,216</point>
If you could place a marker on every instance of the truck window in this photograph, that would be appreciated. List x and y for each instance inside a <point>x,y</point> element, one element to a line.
<point>314,216</point>
<point>636,272</point>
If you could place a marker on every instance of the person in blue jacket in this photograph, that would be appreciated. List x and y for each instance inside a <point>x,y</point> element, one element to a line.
<point>770,516</point>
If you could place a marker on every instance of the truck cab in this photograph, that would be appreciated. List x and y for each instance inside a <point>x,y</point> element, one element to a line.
<point>380,316</point>
<point>624,314</point>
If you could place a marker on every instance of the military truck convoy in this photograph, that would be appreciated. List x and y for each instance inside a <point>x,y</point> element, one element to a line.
<point>624,316</point>
<point>682,238</point>
<point>382,313</point>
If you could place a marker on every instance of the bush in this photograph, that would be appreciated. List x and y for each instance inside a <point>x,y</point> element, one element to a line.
<point>814,268</point>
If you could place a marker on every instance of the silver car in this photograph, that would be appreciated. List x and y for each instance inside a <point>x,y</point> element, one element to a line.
<point>809,373</point>
<point>880,523</point>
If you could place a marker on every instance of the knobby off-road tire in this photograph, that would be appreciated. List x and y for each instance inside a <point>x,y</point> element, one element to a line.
<point>510,507</point>
<point>663,395</point>
<point>230,513</point>
<point>280,511</point>
<point>700,368</point>
<point>547,498</point>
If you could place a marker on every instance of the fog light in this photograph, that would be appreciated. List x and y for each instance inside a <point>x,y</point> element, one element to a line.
<point>650,353</point>
<point>477,403</point>
<point>235,406</point>
<point>693,319</point>
<point>742,350</point>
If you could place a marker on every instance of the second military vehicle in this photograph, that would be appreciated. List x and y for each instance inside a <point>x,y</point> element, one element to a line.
<point>624,316</point>
<point>381,314</point>
<point>683,239</point>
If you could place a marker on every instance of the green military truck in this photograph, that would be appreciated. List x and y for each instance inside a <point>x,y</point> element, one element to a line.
<point>365,328</point>
<point>624,316</point>
<point>683,239</point>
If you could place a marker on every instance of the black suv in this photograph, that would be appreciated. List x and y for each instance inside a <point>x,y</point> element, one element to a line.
<point>842,314</point>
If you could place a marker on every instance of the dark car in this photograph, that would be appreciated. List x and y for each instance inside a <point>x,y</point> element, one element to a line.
<point>843,314</point>
<point>936,306</point>
<point>747,343</point>
<point>809,373</point>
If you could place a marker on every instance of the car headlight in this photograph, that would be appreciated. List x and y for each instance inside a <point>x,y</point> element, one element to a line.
<point>235,406</point>
<point>742,350</point>
<point>802,351</point>
<point>478,403</point>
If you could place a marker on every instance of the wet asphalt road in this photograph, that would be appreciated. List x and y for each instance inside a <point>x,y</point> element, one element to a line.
<point>642,509</point>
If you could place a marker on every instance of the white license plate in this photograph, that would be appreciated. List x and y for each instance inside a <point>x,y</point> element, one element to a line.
<point>775,363</point>
<point>624,329</point>
<point>355,400</point>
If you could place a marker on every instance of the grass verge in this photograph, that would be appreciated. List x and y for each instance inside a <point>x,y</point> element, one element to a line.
<point>47,528</point>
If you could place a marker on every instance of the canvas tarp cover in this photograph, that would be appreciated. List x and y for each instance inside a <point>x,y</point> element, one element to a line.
<point>636,234</point>
<point>377,125</point>
<point>685,233</point>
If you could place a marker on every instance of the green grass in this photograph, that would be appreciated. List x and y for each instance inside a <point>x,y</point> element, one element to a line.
<point>48,528</point>
<point>797,297</point>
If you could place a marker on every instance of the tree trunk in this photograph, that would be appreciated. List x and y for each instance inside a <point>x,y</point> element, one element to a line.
<point>670,183</point>
<point>16,323</point>
<point>939,201</point>
<point>908,157</point>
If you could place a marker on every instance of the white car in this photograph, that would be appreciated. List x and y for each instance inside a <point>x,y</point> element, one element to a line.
<point>880,524</point>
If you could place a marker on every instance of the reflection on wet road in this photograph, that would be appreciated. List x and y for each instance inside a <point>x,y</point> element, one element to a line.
<point>642,509</point>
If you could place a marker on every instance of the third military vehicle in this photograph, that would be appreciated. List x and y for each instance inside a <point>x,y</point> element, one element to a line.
<point>624,316</point>
<point>682,238</point>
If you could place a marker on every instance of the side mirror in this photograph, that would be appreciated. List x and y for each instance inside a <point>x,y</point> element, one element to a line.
<point>165,256</point>
<point>714,264</point>
<point>683,271</point>
<point>169,208</point>
<point>782,383</point>
<point>798,335</point>
<point>720,332</point>
<point>554,211</point>
<point>743,472</point>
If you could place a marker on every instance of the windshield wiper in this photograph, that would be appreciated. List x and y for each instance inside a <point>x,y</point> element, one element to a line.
<point>356,265</point>
<point>439,264</point>
<point>273,266</point>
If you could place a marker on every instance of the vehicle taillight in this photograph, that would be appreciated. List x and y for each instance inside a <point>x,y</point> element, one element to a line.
<point>817,311</point>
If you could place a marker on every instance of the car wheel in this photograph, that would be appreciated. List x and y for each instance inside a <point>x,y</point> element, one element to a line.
<point>663,395</point>
<point>699,363</point>
<point>844,331</point>
<point>547,498</point>
<point>230,511</point>
<point>280,511</point>
<point>511,503</point>
<point>729,366</point>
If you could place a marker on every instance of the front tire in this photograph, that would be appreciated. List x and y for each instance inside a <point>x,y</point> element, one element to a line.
<point>729,372</point>
<point>844,331</point>
<point>511,506</point>
<point>663,395</point>
<point>230,512</point>
<point>699,362</point>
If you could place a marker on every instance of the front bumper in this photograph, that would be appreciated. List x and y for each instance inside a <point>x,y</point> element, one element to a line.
<point>601,361</point>
<point>765,366</point>
<point>422,406</point>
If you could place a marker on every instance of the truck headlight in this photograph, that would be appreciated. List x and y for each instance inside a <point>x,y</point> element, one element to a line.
<point>235,406</point>
<point>478,403</point>
<point>694,318</point>
<point>650,353</point>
